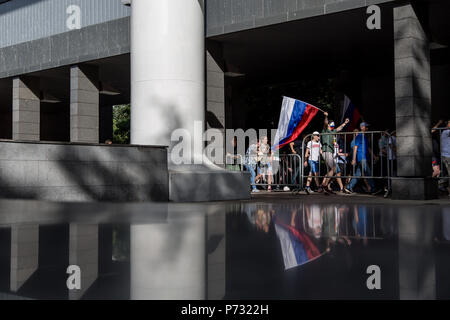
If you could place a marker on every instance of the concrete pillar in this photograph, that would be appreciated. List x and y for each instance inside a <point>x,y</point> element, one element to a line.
<point>168,97</point>
<point>215,94</point>
<point>215,101</point>
<point>84,104</point>
<point>26,109</point>
<point>24,254</point>
<point>83,252</point>
<point>167,70</point>
<point>413,107</point>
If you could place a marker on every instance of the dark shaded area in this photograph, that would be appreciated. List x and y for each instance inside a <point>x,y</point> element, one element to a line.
<point>317,60</point>
<point>6,105</point>
<point>5,258</point>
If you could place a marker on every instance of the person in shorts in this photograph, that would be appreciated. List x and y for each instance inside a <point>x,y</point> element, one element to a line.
<point>312,158</point>
<point>340,158</point>
<point>328,141</point>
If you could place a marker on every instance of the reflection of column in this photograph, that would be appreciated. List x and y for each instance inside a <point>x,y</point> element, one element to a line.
<point>215,247</point>
<point>416,260</point>
<point>168,260</point>
<point>24,254</point>
<point>83,252</point>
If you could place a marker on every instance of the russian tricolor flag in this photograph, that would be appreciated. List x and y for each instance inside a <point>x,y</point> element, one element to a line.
<point>351,113</point>
<point>295,116</point>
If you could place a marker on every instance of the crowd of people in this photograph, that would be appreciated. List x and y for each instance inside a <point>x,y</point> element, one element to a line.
<point>338,162</point>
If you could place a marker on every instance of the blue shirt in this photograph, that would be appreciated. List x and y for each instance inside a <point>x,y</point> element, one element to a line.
<point>362,142</point>
<point>445,143</point>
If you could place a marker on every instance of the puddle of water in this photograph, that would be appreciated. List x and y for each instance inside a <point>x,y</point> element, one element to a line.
<point>279,250</point>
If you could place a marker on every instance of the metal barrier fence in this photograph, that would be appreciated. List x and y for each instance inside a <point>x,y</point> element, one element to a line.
<point>441,141</point>
<point>293,170</point>
<point>374,159</point>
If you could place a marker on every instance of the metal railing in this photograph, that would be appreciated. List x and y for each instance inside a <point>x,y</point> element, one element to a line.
<point>443,162</point>
<point>365,164</point>
<point>380,161</point>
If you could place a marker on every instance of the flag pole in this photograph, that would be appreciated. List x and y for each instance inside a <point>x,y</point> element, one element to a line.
<point>308,103</point>
<point>317,108</point>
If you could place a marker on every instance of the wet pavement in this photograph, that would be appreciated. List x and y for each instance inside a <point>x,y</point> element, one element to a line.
<point>281,247</point>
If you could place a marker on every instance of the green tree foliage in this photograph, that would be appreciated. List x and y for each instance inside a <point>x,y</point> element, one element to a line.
<point>121,124</point>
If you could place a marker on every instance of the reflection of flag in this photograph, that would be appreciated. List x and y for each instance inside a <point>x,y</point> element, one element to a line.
<point>296,246</point>
<point>294,117</point>
<point>352,113</point>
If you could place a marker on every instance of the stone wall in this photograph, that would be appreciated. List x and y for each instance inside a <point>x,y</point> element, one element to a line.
<point>78,172</point>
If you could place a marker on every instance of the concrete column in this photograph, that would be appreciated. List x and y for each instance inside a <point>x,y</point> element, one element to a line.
<point>24,254</point>
<point>215,94</point>
<point>84,104</point>
<point>413,106</point>
<point>26,109</point>
<point>167,70</point>
<point>215,99</point>
<point>83,252</point>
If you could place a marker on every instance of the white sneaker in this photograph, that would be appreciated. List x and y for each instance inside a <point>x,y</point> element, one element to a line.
<point>286,189</point>
<point>255,191</point>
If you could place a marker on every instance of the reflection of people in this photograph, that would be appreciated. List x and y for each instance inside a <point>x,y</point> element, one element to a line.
<point>314,217</point>
<point>446,223</point>
<point>360,221</point>
<point>263,219</point>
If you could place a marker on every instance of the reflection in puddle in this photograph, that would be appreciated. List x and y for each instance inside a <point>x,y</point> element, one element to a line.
<point>282,250</point>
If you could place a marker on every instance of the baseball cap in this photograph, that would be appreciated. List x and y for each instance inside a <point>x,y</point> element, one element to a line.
<point>363,124</point>
<point>332,124</point>
<point>316,133</point>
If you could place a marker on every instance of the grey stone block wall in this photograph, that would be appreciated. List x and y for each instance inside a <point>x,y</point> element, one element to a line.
<point>77,172</point>
<point>215,96</point>
<point>215,93</point>
<point>90,43</point>
<point>84,104</point>
<point>412,94</point>
<point>225,16</point>
<point>26,109</point>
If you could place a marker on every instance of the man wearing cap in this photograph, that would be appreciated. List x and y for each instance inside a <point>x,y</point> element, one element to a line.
<point>328,140</point>
<point>361,152</point>
<point>312,158</point>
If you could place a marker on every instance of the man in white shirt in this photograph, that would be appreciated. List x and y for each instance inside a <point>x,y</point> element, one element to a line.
<point>312,158</point>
